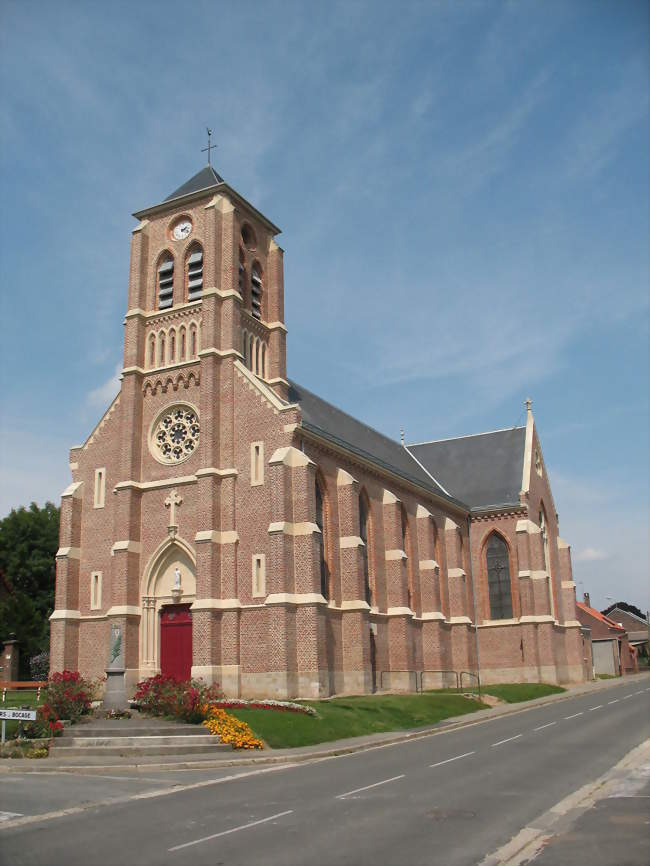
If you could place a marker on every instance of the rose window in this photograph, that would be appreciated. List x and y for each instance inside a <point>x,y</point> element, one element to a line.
<point>176,435</point>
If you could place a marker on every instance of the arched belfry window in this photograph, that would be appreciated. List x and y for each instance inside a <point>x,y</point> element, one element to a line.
<point>498,572</point>
<point>256,291</point>
<point>364,535</point>
<point>165,282</point>
<point>195,273</point>
<point>241,282</point>
<point>321,523</point>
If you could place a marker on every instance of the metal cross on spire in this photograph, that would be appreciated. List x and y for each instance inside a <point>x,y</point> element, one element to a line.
<point>210,145</point>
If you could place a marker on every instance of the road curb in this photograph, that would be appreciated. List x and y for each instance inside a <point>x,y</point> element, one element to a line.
<point>376,741</point>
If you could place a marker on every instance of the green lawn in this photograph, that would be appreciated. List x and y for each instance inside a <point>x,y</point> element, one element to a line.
<point>16,700</point>
<point>354,717</point>
<point>514,693</point>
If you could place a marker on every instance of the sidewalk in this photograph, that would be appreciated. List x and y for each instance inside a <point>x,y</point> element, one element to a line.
<point>604,822</point>
<point>97,764</point>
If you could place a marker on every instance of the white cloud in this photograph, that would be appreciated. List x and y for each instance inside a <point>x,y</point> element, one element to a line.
<point>595,137</point>
<point>100,397</point>
<point>34,468</point>
<point>590,554</point>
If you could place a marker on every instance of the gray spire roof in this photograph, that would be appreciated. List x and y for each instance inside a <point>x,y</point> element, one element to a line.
<point>332,423</point>
<point>203,179</point>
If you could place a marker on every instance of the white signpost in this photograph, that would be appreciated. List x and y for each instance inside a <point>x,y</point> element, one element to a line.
<point>20,715</point>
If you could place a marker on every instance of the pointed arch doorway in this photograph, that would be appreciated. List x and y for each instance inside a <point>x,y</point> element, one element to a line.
<point>166,622</point>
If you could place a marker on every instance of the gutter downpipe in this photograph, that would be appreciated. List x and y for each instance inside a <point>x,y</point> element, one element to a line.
<point>471,574</point>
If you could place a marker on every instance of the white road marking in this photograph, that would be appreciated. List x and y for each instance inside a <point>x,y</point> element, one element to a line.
<point>232,830</point>
<point>367,787</point>
<point>613,702</point>
<point>449,760</point>
<point>639,692</point>
<point>628,696</point>
<point>599,707</point>
<point>516,737</point>
<point>548,725</point>
<point>7,816</point>
<point>574,716</point>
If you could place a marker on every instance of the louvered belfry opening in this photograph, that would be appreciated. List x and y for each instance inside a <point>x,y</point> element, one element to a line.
<point>256,292</point>
<point>165,284</point>
<point>195,275</point>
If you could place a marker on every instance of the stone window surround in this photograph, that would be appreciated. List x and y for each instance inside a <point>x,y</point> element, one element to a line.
<point>100,487</point>
<point>258,575</point>
<point>95,590</point>
<point>257,463</point>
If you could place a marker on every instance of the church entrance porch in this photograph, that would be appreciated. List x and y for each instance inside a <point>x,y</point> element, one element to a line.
<point>168,590</point>
<point>176,641</point>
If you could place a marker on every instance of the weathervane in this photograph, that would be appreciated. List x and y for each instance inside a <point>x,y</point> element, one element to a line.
<point>210,145</point>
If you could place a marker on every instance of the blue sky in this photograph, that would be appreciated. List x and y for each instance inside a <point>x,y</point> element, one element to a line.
<point>463,193</point>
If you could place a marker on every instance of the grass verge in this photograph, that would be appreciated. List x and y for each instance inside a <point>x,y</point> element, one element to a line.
<point>514,693</point>
<point>354,717</point>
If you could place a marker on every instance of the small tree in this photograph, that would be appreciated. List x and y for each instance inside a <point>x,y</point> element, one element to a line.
<point>29,539</point>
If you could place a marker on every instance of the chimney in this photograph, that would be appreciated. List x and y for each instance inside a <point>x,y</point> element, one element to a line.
<point>587,601</point>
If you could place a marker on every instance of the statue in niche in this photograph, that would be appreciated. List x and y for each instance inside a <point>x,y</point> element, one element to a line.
<point>177,589</point>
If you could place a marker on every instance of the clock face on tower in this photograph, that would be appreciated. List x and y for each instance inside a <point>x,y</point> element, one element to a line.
<point>182,230</point>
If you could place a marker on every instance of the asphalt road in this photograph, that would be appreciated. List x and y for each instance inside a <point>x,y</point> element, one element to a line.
<point>448,799</point>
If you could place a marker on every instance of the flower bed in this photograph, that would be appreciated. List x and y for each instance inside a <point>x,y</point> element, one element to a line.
<point>281,706</point>
<point>229,729</point>
<point>70,695</point>
<point>166,696</point>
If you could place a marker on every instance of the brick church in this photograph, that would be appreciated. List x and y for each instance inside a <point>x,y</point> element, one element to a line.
<point>226,523</point>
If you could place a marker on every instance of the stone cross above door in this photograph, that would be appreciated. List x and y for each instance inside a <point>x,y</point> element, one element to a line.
<point>171,502</point>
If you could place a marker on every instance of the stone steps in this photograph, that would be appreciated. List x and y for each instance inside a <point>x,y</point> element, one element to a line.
<point>138,737</point>
<point>127,742</point>
<point>135,747</point>
<point>114,730</point>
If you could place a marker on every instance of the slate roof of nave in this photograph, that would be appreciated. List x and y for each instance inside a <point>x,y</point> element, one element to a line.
<point>204,179</point>
<point>482,470</point>
<point>342,429</point>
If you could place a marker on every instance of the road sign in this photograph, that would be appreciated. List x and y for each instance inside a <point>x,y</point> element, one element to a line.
<point>22,715</point>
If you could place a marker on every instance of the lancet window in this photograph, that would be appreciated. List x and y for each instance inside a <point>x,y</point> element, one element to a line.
<point>498,572</point>
<point>321,523</point>
<point>364,534</point>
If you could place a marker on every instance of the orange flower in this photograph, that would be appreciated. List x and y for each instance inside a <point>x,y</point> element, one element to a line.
<point>229,729</point>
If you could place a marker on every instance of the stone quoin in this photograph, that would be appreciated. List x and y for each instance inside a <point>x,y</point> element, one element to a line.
<point>229,524</point>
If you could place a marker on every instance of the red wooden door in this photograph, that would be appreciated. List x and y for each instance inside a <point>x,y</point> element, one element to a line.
<point>176,641</point>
